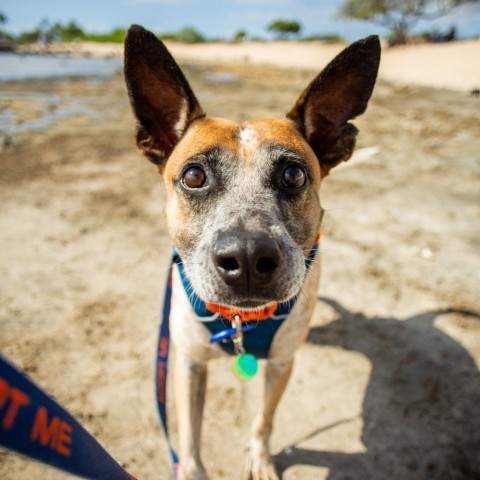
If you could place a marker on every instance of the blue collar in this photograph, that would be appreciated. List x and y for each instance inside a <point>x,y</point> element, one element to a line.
<point>259,335</point>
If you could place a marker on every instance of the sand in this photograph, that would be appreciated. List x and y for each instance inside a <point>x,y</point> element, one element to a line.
<point>453,65</point>
<point>387,384</point>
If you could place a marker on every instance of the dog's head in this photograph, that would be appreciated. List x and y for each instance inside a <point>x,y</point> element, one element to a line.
<point>243,207</point>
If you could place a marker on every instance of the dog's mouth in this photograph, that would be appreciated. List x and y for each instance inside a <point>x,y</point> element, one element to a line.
<point>246,272</point>
<point>254,306</point>
<point>250,303</point>
<point>212,290</point>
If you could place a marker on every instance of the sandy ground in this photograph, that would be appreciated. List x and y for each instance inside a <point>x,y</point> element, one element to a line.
<point>442,65</point>
<point>387,385</point>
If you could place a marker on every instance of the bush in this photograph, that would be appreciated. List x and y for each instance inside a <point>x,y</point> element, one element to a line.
<point>324,37</point>
<point>168,36</point>
<point>240,36</point>
<point>189,35</point>
<point>71,31</point>
<point>28,37</point>
<point>115,36</point>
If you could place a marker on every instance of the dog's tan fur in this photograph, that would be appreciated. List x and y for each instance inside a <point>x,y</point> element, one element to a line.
<point>209,132</point>
<point>246,196</point>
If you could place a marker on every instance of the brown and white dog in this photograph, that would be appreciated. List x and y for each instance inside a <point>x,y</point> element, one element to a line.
<point>243,211</point>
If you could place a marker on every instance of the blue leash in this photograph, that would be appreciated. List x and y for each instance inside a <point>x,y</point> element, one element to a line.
<point>162,368</point>
<point>35,425</point>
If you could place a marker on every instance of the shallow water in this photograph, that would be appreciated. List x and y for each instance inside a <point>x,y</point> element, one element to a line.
<point>15,67</point>
<point>49,108</point>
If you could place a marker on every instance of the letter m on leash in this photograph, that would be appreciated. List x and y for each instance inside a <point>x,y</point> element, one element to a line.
<point>56,434</point>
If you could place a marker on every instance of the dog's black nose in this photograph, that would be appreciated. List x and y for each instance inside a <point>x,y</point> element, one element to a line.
<point>247,259</point>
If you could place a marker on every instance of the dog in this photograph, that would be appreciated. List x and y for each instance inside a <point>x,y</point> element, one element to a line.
<point>243,212</point>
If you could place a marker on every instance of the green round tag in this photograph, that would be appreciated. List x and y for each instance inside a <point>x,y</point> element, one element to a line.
<point>245,366</point>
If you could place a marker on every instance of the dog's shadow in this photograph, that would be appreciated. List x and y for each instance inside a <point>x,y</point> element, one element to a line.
<point>421,411</point>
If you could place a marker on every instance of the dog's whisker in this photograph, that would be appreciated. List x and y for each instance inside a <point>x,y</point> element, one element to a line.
<point>302,292</point>
<point>339,207</point>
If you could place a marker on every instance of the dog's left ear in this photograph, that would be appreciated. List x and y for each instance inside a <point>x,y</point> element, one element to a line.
<point>161,97</point>
<point>338,94</point>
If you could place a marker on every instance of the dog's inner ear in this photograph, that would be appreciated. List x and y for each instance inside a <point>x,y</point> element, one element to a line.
<point>160,95</point>
<point>338,94</point>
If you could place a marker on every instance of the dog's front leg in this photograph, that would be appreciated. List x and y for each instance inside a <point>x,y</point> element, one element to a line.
<point>190,383</point>
<point>259,463</point>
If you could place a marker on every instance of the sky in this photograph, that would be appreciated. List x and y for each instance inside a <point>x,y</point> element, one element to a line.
<point>214,18</point>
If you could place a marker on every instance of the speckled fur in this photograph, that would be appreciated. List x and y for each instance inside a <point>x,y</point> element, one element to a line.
<point>241,175</point>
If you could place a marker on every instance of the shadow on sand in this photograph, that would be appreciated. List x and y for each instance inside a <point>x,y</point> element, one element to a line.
<point>421,412</point>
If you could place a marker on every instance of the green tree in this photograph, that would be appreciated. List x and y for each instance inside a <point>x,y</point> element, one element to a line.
<point>65,33</point>
<point>240,36</point>
<point>71,31</point>
<point>54,32</point>
<point>189,35</point>
<point>5,38</point>
<point>284,28</point>
<point>399,16</point>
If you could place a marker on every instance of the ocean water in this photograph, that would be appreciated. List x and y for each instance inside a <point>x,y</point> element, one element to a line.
<point>15,67</point>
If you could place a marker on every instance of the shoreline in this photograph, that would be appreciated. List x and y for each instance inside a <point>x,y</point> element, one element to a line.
<point>452,65</point>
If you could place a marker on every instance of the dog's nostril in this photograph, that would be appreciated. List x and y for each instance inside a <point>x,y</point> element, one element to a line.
<point>229,264</point>
<point>266,265</point>
<point>247,259</point>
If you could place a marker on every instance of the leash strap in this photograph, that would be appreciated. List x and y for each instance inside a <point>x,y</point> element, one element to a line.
<point>162,368</point>
<point>35,425</point>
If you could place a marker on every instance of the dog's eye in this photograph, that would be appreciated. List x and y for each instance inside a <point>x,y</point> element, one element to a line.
<point>194,177</point>
<point>294,176</point>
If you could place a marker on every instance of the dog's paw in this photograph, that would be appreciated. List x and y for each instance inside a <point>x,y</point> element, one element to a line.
<point>260,466</point>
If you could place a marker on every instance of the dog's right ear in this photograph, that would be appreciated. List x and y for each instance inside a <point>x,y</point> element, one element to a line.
<point>338,94</point>
<point>160,95</point>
